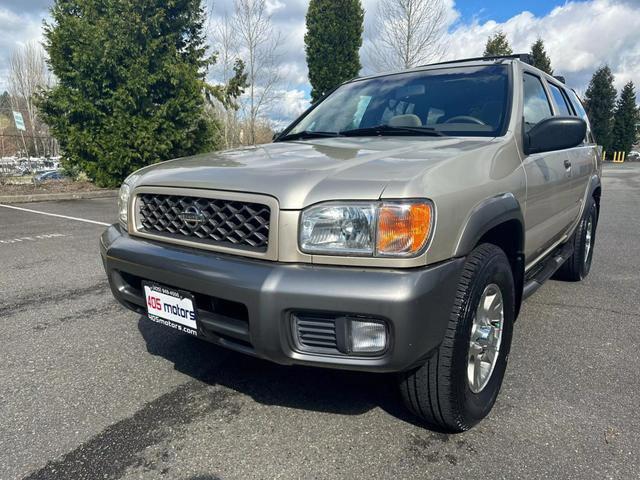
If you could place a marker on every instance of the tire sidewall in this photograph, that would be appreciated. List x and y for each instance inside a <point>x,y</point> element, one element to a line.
<point>476,406</point>
<point>585,267</point>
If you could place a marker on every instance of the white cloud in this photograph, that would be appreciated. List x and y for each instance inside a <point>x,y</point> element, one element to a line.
<point>294,73</point>
<point>291,104</point>
<point>579,38</point>
<point>16,30</point>
<point>273,5</point>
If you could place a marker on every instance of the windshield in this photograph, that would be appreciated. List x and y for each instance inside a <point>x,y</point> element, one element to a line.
<point>463,101</point>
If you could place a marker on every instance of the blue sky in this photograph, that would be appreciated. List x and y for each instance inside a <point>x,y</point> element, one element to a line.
<point>501,11</point>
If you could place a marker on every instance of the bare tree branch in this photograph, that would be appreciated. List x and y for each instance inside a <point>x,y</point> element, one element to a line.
<point>260,46</point>
<point>28,75</point>
<point>407,33</point>
<point>224,44</point>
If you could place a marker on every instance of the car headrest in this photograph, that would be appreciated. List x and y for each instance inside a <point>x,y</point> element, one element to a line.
<point>408,120</point>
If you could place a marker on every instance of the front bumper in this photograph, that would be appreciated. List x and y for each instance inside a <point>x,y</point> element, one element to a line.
<point>254,299</point>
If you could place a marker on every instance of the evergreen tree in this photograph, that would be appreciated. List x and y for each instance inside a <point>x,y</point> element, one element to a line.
<point>5,118</point>
<point>600,99</point>
<point>130,84</point>
<point>540,58</point>
<point>332,43</point>
<point>5,101</point>
<point>624,134</point>
<point>5,111</point>
<point>497,45</point>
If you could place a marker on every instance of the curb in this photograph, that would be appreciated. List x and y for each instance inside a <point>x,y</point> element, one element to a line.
<point>44,197</point>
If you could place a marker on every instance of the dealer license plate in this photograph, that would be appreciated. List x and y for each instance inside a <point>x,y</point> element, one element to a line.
<point>171,307</point>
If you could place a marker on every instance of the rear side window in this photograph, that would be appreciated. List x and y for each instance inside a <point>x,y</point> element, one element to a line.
<point>536,102</point>
<point>561,102</point>
<point>577,104</point>
<point>579,108</point>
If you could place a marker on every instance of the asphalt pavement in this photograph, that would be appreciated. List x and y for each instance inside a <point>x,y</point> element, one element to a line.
<point>89,390</point>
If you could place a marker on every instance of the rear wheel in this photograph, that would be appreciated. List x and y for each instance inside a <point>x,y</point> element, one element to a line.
<point>578,265</point>
<point>458,385</point>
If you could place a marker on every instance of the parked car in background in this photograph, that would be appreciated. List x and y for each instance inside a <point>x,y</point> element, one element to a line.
<point>49,176</point>
<point>634,156</point>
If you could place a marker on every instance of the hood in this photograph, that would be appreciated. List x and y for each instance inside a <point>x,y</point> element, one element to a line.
<point>302,173</point>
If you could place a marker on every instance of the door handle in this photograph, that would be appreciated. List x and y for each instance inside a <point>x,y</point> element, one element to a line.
<point>567,164</point>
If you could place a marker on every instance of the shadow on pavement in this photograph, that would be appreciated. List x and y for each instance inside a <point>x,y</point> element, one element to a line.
<point>306,388</point>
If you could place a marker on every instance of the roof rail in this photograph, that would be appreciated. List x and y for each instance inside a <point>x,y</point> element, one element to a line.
<point>560,78</point>
<point>523,57</point>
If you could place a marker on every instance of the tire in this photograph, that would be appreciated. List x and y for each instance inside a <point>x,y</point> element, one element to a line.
<point>440,392</point>
<point>578,265</point>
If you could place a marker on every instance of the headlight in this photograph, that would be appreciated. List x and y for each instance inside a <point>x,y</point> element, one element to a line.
<point>382,229</point>
<point>339,229</point>
<point>123,204</point>
<point>123,199</point>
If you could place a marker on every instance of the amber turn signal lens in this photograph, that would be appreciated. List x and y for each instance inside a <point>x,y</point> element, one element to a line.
<point>403,228</point>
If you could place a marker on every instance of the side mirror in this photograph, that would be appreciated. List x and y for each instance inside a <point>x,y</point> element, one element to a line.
<point>555,133</point>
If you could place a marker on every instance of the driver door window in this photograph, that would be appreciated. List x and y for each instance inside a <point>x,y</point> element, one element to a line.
<point>536,102</point>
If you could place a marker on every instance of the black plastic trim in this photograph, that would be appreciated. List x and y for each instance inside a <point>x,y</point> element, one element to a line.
<point>486,215</point>
<point>548,267</point>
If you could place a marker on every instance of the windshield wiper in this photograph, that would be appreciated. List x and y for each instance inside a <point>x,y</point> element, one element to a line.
<point>388,129</point>
<point>308,134</point>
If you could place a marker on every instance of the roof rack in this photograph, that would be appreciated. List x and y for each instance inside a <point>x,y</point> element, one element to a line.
<point>523,57</point>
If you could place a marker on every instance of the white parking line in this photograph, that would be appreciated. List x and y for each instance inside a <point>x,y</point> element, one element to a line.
<point>34,238</point>
<point>55,215</point>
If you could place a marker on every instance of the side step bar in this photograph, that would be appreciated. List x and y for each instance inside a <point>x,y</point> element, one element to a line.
<point>546,269</point>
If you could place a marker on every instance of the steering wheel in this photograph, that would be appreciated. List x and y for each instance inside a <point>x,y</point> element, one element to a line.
<point>465,119</point>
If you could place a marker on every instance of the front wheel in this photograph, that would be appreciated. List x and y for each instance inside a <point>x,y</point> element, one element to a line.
<point>458,385</point>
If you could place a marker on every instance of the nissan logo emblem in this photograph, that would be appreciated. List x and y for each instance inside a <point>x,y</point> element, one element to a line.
<point>192,217</point>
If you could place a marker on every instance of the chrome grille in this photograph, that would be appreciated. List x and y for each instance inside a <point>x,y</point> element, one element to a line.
<point>235,224</point>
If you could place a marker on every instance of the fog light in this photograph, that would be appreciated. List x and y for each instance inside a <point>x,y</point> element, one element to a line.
<point>366,337</point>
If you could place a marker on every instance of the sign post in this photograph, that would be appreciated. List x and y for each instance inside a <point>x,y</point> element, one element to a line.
<point>19,121</point>
<point>17,118</point>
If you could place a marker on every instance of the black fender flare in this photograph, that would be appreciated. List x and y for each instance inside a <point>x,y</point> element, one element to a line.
<point>487,215</point>
<point>594,184</point>
<point>484,217</point>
